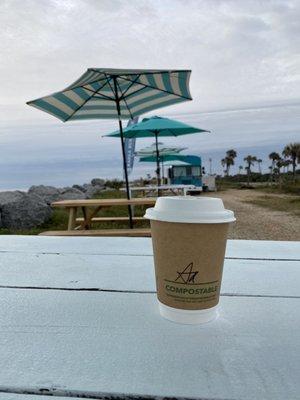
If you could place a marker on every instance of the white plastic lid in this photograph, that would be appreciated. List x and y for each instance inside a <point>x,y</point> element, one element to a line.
<point>188,209</point>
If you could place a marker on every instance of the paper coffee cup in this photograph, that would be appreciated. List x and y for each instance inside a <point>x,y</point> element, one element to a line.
<point>189,237</point>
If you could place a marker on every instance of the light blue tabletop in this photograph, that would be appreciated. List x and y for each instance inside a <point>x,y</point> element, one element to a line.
<point>79,318</point>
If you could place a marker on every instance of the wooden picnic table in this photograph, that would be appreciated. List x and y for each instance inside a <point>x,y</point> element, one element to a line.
<point>90,208</point>
<point>79,318</point>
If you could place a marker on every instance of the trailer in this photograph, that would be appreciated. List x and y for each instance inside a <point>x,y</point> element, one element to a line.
<point>188,173</point>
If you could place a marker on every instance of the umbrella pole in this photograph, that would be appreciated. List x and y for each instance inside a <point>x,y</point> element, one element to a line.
<point>157,159</point>
<point>123,153</point>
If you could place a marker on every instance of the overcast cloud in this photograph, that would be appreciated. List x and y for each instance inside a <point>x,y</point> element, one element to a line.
<point>244,56</point>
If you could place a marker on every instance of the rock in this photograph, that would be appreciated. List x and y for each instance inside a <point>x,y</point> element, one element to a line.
<point>92,190</point>
<point>98,182</point>
<point>71,193</point>
<point>79,187</point>
<point>85,186</point>
<point>50,194</point>
<point>19,210</point>
<point>47,193</point>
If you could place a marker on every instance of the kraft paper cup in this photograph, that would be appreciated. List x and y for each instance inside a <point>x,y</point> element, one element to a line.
<point>189,237</point>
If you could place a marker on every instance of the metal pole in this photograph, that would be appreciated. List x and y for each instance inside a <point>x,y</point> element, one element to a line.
<point>157,159</point>
<point>123,151</point>
<point>210,169</point>
<point>157,165</point>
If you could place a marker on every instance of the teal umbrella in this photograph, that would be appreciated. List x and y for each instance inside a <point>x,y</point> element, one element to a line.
<point>157,127</point>
<point>106,93</point>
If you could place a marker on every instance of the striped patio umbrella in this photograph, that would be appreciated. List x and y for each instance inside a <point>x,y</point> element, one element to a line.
<point>117,93</point>
<point>151,150</point>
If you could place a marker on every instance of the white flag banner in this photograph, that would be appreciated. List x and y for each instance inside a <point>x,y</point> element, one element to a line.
<point>130,147</point>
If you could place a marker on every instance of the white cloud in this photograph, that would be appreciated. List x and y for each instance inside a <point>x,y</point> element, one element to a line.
<point>242,54</point>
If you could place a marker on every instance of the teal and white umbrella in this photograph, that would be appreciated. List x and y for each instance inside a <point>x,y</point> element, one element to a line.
<point>163,150</point>
<point>102,93</point>
<point>157,127</point>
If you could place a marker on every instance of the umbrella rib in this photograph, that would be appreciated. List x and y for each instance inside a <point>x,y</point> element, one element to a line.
<point>101,95</point>
<point>78,108</point>
<point>131,116</point>
<point>139,90</point>
<point>111,88</point>
<point>121,98</point>
<point>132,83</point>
<point>160,90</point>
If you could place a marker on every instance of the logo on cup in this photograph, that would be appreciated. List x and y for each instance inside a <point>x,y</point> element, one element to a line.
<point>187,275</point>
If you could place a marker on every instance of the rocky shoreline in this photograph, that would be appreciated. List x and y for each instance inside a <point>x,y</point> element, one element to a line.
<point>26,210</point>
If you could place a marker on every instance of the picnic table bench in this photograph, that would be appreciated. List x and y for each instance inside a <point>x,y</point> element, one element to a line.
<point>90,208</point>
<point>79,318</point>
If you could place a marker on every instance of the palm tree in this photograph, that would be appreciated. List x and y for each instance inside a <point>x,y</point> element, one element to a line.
<point>274,157</point>
<point>250,160</point>
<point>228,161</point>
<point>279,165</point>
<point>292,150</point>
<point>259,161</point>
<point>231,153</point>
<point>240,169</point>
<point>287,163</point>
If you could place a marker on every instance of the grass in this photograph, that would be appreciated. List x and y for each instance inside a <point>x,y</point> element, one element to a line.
<point>285,188</point>
<point>276,203</point>
<point>59,219</point>
<point>223,184</point>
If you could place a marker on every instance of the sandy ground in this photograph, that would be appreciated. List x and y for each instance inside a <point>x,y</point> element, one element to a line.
<point>255,222</point>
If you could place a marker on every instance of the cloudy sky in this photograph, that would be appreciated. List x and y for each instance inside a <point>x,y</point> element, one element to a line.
<point>244,56</point>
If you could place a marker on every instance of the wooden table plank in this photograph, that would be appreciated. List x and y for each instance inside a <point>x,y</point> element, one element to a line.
<point>255,249</point>
<point>73,395</point>
<point>140,246</point>
<point>104,202</point>
<point>112,219</point>
<point>136,232</point>
<point>104,342</point>
<point>127,273</point>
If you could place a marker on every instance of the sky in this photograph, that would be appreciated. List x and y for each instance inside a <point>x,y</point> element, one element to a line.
<point>245,82</point>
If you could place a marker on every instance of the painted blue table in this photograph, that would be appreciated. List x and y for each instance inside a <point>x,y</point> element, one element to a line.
<point>78,318</point>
